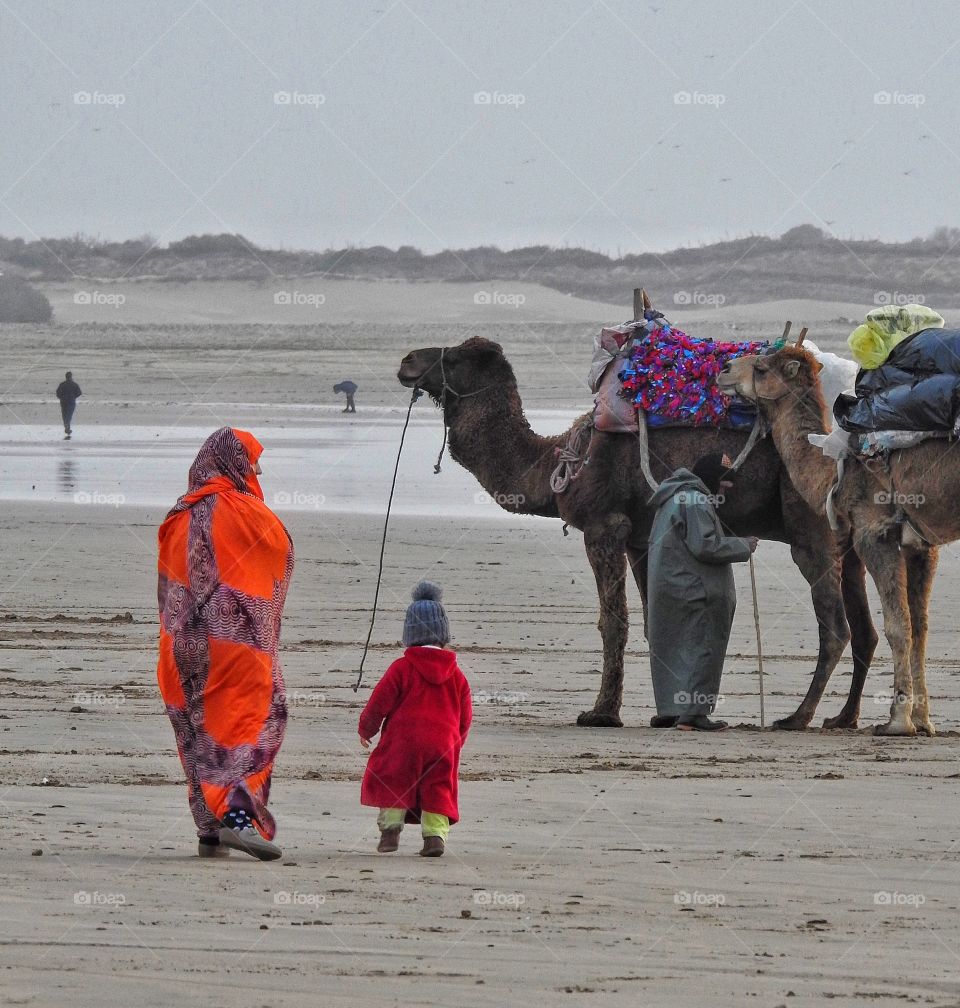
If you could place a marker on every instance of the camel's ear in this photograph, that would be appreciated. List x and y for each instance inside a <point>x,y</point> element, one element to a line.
<point>791,368</point>
<point>817,367</point>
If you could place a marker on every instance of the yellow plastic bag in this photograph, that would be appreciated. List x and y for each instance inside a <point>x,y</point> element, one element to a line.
<point>885,327</point>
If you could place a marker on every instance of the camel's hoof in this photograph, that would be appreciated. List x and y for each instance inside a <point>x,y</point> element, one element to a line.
<point>792,723</point>
<point>925,728</point>
<point>596,719</point>
<point>899,729</point>
<point>841,721</point>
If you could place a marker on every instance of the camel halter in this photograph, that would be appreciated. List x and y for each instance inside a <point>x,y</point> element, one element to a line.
<point>447,387</point>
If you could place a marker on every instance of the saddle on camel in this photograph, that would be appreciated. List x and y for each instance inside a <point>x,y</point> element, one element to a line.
<point>647,373</point>
<point>650,365</point>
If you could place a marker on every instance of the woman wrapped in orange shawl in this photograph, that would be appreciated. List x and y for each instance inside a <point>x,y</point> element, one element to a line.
<point>225,562</point>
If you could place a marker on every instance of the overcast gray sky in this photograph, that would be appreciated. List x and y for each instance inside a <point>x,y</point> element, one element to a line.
<point>611,124</point>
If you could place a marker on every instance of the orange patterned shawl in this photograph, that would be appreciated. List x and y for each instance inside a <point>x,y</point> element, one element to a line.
<point>225,562</point>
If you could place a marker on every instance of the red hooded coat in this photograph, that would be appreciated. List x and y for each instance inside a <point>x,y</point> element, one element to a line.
<point>423,704</point>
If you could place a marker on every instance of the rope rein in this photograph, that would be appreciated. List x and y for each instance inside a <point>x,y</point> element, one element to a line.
<point>417,393</point>
<point>443,411</point>
<point>383,543</point>
<point>758,431</point>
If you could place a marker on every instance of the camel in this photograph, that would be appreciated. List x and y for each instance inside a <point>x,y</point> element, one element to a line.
<point>475,387</point>
<point>895,516</point>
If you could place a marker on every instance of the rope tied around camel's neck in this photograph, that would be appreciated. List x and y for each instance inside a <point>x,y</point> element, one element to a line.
<point>757,431</point>
<point>569,460</point>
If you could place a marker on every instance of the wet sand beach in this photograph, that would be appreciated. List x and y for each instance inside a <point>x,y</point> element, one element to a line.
<point>614,867</point>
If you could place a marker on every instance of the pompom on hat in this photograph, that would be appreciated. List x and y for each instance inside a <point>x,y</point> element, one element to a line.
<point>426,619</point>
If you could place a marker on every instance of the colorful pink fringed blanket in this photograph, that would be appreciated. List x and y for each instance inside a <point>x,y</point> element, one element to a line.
<point>672,377</point>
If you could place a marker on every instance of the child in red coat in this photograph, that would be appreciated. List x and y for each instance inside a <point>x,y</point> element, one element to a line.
<point>423,706</point>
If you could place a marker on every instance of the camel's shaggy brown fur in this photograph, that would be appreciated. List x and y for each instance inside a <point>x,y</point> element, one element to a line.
<point>490,436</point>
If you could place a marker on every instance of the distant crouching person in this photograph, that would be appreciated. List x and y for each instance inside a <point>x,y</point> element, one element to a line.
<point>691,594</point>
<point>349,389</point>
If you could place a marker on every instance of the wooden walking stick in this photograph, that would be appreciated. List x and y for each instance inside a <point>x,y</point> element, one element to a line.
<point>756,620</point>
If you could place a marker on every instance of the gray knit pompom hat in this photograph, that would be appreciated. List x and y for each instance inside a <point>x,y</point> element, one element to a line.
<point>426,620</point>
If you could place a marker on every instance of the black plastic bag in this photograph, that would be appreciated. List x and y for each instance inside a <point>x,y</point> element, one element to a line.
<point>917,388</point>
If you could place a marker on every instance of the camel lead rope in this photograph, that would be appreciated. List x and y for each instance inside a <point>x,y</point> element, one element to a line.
<point>443,448</point>
<point>383,543</point>
<point>755,434</point>
<point>443,411</point>
<point>756,620</point>
<point>643,438</point>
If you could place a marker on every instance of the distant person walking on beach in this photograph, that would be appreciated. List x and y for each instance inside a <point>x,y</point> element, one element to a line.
<point>423,707</point>
<point>348,388</point>
<point>68,392</point>
<point>225,562</point>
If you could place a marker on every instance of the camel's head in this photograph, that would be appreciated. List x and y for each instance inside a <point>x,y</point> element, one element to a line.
<point>769,377</point>
<point>470,368</point>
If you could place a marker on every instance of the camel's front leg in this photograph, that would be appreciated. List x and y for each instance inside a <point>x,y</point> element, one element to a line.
<point>605,546</point>
<point>818,564</point>
<point>638,564</point>
<point>863,636</point>
<point>888,568</point>
<point>921,569</point>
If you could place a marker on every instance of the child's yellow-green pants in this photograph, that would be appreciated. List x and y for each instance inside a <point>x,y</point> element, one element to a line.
<point>432,823</point>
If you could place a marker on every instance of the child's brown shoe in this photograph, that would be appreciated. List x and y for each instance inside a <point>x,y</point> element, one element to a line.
<point>389,840</point>
<point>432,847</point>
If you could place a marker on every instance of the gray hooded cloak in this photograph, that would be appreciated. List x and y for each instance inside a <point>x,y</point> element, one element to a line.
<point>691,596</point>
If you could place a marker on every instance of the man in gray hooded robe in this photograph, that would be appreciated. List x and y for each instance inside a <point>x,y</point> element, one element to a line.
<point>691,594</point>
